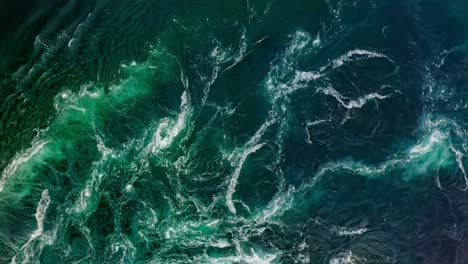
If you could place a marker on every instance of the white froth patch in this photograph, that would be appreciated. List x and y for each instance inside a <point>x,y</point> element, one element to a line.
<point>251,257</point>
<point>302,76</point>
<point>41,211</point>
<point>300,41</point>
<point>343,258</point>
<point>123,249</point>
<point>87,195</point>
<point>70,100</point>
<point>170,232</point>
<point>65,94</point>
<point>169,129</point>
<point>219,54</point>
<point>220,244</point>
<point>103,149</point>
<point>316,41</point>
<point>427,145</point>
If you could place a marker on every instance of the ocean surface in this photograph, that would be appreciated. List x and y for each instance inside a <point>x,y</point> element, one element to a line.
<point>234,131</point>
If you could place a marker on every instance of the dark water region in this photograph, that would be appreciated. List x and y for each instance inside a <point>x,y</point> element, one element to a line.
<point>269,131</point>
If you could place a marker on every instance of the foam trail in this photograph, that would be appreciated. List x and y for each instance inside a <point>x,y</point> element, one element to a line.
<point>87,195</point>
<point>343,258</point>
<point>238,157</point>
<point>459,158</point>
<point>278,206</point>
<point>357,103</point>
<point>430,153</point>
<point>352,55</point>
<point>235,176</point>
<point>249,258</point>
<point>27,251</point>
<point>41,210</point>
<point>342,231</point>
<point>278,82</point>
<point>168,130</point>
<point>311,124</point>
<point>303,76</point>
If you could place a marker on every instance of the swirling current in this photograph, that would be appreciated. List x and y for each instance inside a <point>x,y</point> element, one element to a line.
<point>248,131</point>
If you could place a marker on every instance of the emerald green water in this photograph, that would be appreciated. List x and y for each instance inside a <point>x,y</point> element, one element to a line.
<point>233,131</point>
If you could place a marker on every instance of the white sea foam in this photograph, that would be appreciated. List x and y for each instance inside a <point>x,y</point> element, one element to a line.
<point>238,157</point>
<point>123,249</point>
<point>20,161</point>
<point>356,103</point>
<point>303,76</point>
<point>280,204</point>
<point>316,43</point>
<point>278,81</point>
<point>298,43</point>
<point>242,50</point>
<point>169,129</point>
<point>343,231</point>
<point>235,176</point>
<point>311,124</point>
<point>343,258</point>
<point>316,122</point>
<point>251,257</point>
<point>41,211</point>
<point>27,251</point>
<point>353,55</point>
<point>220,244</point>
<point>425,146</point>
<point>459,157</point>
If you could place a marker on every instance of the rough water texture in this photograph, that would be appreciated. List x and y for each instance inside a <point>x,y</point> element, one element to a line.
<point>256,131</point>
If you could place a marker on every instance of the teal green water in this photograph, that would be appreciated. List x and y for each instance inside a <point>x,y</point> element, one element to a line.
<point>266,131</point>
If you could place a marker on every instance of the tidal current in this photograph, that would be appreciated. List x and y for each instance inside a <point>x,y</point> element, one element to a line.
<point>250,131</point>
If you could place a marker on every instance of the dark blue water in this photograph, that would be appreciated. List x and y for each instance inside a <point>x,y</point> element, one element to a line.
<point>273,131</point>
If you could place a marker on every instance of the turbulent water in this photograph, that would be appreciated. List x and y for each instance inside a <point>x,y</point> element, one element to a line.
<point>247,131</point>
